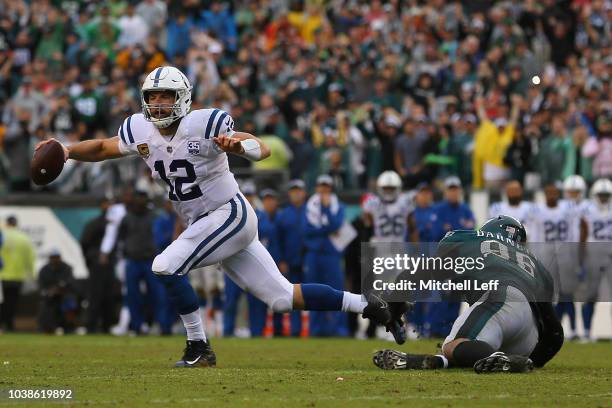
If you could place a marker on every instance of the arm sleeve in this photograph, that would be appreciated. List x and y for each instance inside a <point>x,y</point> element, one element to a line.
<point>551,335</point>
<point>127,146</point>
<point>218,123</point>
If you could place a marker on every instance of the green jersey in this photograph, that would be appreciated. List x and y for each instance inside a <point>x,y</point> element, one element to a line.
<point>497,258</point>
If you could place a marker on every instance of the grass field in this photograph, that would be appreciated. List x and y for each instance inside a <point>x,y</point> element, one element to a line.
<point>113,371</point>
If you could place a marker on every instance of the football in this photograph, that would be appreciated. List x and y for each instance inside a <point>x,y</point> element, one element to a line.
<point>47,163</point>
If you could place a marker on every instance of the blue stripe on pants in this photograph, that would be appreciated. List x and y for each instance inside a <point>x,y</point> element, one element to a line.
<point>209,238</point>
<point>229,235</point>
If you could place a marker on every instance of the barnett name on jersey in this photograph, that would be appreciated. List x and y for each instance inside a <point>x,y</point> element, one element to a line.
<point>193,167</point>
<point>390,219</point>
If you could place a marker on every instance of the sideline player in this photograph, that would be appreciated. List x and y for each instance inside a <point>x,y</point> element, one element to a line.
<point>387,212</point>
<point>515,206</point>
<point>188,152</point>
<point>510,329</point>
<point>598,217</point>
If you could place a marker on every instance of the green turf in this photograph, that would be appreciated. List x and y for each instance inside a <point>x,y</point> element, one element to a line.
<point>113,371</point>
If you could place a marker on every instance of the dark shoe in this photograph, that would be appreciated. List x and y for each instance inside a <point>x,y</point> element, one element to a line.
<point>500,362</point>
<point>377,310</point>
<point>396,360</point>
<point>198,353</point>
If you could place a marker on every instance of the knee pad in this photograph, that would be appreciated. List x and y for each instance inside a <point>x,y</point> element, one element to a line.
<point>161,265</point>
<point>282,305</point>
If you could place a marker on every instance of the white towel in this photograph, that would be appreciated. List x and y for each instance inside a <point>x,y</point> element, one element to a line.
<point>314,213</point>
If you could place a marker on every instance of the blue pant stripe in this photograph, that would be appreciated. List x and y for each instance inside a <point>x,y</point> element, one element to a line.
<point>212,236</point>
<point>219,122</point>
<point>129,129</point>
<point>229,235</point>
<point>211,119</point>
<point>121,134</point>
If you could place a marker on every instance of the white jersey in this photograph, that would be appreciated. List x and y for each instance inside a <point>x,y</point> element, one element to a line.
<point>575,212</point>
<point>390,218</point>
<point>599,221</point>
<point>520,212</point>
<point>550,224</point>
<point>190,164</point>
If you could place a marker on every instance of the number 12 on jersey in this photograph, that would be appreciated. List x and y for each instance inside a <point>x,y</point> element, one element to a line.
<point>176,193</point>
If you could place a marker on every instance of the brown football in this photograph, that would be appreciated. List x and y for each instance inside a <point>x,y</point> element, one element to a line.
<point>47,163</point>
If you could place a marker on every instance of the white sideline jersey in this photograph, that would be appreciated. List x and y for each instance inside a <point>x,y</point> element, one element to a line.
<point>599,221</point>
<point>520,212</point>
<point>194,169</point>
<point>550,224</point>
<point>390,218</point>
<point>575,212</point>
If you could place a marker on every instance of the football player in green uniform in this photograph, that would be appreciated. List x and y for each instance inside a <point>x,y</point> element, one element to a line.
<point>508,329</point>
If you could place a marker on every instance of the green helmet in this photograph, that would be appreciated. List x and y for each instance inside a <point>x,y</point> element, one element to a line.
<point>508,226</point>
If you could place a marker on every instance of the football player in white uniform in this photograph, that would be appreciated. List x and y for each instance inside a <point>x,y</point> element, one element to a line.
<point>188,152</point>
<point>598,218</point>
<point>387,212</point>
<point>560,225</point>
<point>515,206</point>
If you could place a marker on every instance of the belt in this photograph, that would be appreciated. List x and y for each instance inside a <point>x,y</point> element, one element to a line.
<point>199,217</point>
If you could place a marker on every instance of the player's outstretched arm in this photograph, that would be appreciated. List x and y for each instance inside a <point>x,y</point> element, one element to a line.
<point>90,150</point>
<point>243,144</point>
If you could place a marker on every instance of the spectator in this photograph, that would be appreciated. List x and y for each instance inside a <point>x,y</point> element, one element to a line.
<point>136,233</point>
<point>267,228</point>
<point>17,254</point>
<point>89,107</point>
<point>451,213</point>
<point>154,13</point>
<point>600,148</point>
<point>462,147</point>
<point>101,283</point>
<point>179,35</point>
<point>408,151</point>
<point>133,27</point>
<point>291,241</point>
<point>324,215</point>
<point>58,301</point>
<point>555,152</point>
<point>518,156</point>
<point>423,222</point>
<point>491,144</point>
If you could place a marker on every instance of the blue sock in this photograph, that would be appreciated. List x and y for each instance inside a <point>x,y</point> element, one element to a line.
<point>180,292</point>
<point>571,312</point>
<point>587,315</point>
<point>560,309</point>
<point>321,297</point>
<point>217,302</point>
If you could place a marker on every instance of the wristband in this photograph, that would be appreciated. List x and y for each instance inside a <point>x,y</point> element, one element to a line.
<point>252,149</point>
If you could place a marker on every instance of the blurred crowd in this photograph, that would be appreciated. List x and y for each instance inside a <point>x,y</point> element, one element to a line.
<point>486,91</point>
